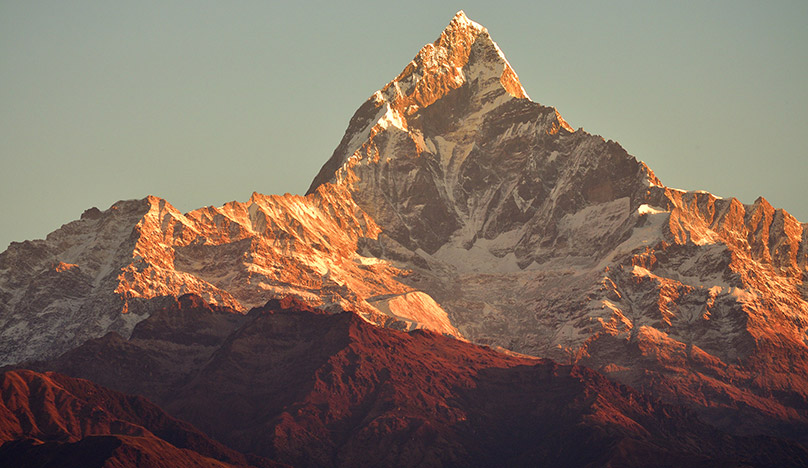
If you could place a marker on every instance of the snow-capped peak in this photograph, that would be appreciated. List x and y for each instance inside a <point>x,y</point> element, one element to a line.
<point>463,60</point>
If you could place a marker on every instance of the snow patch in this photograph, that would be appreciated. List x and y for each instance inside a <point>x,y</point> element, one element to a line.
<point>648,209</point>
<point>743,295</point>
<point>391,118</point>
<point>417,308</point>
<point>479,258</point>
<point>647,235</point>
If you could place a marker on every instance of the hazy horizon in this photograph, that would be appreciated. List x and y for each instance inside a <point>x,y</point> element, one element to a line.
<point>201,104</point>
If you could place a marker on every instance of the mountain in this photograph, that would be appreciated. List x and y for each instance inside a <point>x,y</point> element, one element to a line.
<point>111,269</point>
<point>456,204</point>
<point>311,388</point>
<point>553,242</point>
<point>54,420</point>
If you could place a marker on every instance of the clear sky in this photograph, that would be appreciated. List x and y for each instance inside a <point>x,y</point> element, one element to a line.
<point>203,102</point>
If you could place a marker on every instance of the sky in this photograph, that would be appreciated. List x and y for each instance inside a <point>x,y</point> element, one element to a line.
<point>204,102</point>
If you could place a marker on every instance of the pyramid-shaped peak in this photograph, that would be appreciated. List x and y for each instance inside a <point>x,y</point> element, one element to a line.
<point>463,63</point>
<point>461,16</point>
<point>462,53</point>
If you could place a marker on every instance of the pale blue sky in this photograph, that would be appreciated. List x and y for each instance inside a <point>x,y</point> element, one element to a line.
<point>205,102</point>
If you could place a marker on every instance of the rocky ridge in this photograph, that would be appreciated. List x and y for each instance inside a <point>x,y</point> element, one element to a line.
<point>109,270</point>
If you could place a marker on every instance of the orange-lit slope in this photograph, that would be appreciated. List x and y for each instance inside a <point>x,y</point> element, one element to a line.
<point>103,272</point>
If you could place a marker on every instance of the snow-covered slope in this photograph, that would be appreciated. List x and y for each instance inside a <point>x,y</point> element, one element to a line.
<point>109,270</point>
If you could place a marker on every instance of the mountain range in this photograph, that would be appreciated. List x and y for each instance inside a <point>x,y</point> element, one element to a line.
<point>515,290</point>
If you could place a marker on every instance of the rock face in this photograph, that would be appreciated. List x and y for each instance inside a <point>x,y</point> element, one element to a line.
<point>456,204</point>
<point>309,388</point>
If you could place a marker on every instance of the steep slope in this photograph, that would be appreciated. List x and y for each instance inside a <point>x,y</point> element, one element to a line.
<point>109,270</point>
<point>556,243</point>
<point>54,420</point>
<point>312,389</point>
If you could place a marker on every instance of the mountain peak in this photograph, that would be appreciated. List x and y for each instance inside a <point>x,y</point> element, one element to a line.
<point>464,52</point>
<point>460,19</point>
<point>463,65</point>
